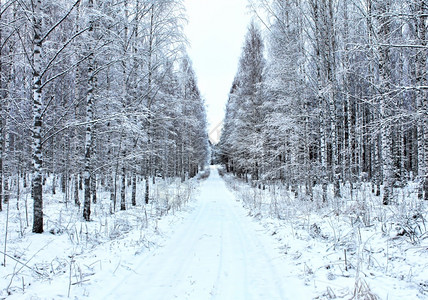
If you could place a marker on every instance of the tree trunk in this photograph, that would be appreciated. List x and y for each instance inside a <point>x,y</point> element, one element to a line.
<point>384,77</point>
<point>322,75</point>
<point>37,154</point>
<point>2,99</point>
<point>7,157</point>
<point>323,154</point>
<point>146,196</point>
<point>134,189</point>
<point>81,177</point>
<point>111,182</point>
<point>1,155</point>
<point>94,188</point>
<point>123,190</point>
<point>331,73</point>
<point>76,190</point>
<point>89,118</point>
<point>93,160</point>
<point>421,99</point>
<point>64,178</point>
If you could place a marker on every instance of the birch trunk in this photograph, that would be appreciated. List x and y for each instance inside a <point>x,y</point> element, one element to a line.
<point>135,88</point>
<point>7,150</point>
<point>1,157</point>
<point>421,99</point>
<point>123,190</point>
<point>323,154</point>
<point>2,114</point>
<point>124,104</point>
<point>134,189</point>
<point>89,118</point>
<point>76,190</point>
<point>373,114</point>
<point>331,70</point>
<point>76,142</point>
<point>384,77</point>
<point>149,104</point>
<point>7,157</point>
<point>37,155</point>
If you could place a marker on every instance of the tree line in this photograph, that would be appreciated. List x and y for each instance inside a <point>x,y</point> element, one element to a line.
<point>96,94</point>
<point>338,97</point>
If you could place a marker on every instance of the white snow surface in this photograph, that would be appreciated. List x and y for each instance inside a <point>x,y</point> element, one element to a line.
<point>218,252</point>
<point>352,248</point>
<point>277,247</point>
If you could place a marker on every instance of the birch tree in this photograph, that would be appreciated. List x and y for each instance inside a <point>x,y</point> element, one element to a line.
<point>344,94</point>
<point>37,153</point>
<point>420,11</point>
<point>89,113</point>
<point>75,58</point>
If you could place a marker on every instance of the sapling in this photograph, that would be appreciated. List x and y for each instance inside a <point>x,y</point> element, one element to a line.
<point>11,279</point>
<point>6,232</point>
<point>26,209</point>
<point>21,229</point>
<point>346,260</point>
<point>69,278</point>
<point>18,192</point>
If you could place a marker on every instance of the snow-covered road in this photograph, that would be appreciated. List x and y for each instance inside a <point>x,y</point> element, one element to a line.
<point>218,252</point>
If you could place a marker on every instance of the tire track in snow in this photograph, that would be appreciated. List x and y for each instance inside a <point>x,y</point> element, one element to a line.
<point>216,253</point>
<point>164,264</point>
<point>220,264</point>
<point>273,274</point>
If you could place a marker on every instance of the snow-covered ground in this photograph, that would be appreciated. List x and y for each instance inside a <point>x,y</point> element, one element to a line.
<point>275,247</point>
<point>216,253</point>
<point>356,249</point>
<point>72,254</point>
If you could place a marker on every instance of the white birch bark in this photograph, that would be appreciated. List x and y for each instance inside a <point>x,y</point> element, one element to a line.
<point>321,99</point>
<point>124,103</point>
<point>421,99</point>
<point>89,116</point>
<point>37,155</point>
<point>384,77</point>
<point>1,152</point>
<point>2,114</point>
<point>149,104</point>
<point>331,73</point>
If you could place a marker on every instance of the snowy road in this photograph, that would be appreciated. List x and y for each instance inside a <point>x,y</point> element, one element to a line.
<point>217,253</point>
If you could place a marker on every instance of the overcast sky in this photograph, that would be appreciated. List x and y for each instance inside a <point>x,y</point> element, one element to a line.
<point>216,33</point>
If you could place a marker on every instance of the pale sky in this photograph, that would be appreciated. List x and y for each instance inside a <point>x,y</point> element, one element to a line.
<point>216,32</point>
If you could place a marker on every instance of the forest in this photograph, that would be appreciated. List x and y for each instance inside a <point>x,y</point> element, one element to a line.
<point>95,95</point>
<point>325,142</point>
<point>331,94</point>
<point>320,188</point>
